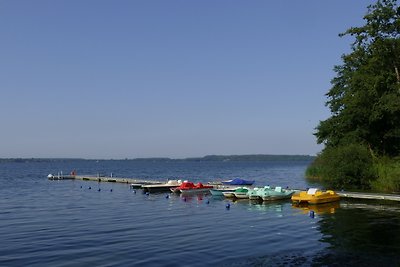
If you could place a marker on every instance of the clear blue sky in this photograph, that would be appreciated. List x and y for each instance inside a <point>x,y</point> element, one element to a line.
<point>167,78</point>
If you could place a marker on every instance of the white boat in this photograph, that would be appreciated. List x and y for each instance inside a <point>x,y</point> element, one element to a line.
<point>161,187</point>
<point>60,176</point>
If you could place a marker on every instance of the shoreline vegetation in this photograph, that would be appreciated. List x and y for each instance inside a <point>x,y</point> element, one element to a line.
<point>218,158</point>
<point>362,136</point>
<point>385,179</point>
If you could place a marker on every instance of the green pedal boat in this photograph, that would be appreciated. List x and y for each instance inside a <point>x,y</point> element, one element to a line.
<point>267,193</point>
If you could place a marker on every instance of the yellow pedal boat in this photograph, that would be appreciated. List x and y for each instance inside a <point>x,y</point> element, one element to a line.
<point>315,196</point>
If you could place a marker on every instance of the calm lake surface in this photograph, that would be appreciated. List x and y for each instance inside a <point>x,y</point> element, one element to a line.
<point>64,223</point>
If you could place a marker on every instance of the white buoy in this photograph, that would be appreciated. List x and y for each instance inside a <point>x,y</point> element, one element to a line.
<point>50,176</point>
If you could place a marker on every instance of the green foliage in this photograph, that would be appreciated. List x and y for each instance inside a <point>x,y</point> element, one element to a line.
<point>314,170</point>
<point>388,175</point>
<point>363,132</point>
<point>365,96</point>
<point>345,167</point>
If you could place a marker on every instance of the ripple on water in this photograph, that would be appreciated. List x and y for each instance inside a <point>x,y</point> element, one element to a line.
<point>64,223</point>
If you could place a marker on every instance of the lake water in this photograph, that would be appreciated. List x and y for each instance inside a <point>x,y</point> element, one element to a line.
<point>64,223</point>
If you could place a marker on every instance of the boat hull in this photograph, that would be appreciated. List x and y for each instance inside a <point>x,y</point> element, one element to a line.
<point>194,191</point>
<point>241,195</point>
<point>316,197</point>
<point>152,188</point>
<point>191,188</point>
<point>228,194</point>
<point>238,182</point>
<point>267,193</point>
<point>254,197</point>
<point>276,197</point>
<point>220,192</point>
<point>159,188</point>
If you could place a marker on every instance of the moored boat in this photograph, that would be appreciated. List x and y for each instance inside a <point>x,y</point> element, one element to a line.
<point>189,187</point>
<point>238,181</point>
<point>315,196</point>
<point>241,192</point>
<point>276,193</point>
<point>228,194</point>
<point>161,187</point>
<point>254,194</point>
<point>219,190</point>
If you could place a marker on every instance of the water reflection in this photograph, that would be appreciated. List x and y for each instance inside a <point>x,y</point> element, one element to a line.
<point>360,234</point>
<point>261,206</point>
<point>199,197</point>
<point>318,209</point>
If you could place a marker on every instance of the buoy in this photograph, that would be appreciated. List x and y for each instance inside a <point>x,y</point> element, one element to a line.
<point>147,193</point>
<point>81,186</point>
<point>110,190</point>
<point>167,196</point>
<point>184,199</point>
<point>312,214</point>
<point>228,206</point>
<point>99,190</point>
<point>208,201</point>
<point>134,191</point>
<point>90,187</point>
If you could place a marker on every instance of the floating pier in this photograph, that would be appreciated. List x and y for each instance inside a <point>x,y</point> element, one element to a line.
<point>139,182</point>
<point>376,196</point>
<point>116,180</point>
<point>98,178</point>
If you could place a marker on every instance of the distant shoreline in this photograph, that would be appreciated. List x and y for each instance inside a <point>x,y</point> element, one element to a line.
<point>217,158</point>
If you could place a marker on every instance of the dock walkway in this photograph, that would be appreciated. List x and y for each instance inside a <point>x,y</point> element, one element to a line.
<point>110,179</point>
<point>377,196</point>
<point>342,194</point>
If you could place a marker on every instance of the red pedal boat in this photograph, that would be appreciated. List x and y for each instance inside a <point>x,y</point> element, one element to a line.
<point>189,187</point>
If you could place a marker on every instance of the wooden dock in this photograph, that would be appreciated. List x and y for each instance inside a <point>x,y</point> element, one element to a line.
<point>376,196</point>
<point>109,179</point>
<point>94,178</point>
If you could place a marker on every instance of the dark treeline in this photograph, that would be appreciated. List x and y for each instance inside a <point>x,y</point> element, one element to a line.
<point>254,158</point>
<point>24,160</point>
<point>163,159</point>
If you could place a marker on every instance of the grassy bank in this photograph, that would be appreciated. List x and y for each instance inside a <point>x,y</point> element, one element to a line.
<point>354,168</point>
<point>388,175</point>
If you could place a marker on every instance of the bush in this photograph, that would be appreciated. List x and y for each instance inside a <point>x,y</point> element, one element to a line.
<point>346,167</point>
<point>313,171</point>
<point>388,171</point>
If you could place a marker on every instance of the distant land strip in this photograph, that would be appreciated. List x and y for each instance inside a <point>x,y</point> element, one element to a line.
<point>256,157</point>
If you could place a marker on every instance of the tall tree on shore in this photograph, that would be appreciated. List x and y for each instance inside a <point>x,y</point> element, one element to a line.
<point>365,96</point>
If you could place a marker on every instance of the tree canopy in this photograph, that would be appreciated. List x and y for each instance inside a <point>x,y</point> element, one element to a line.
<point>364,99</point>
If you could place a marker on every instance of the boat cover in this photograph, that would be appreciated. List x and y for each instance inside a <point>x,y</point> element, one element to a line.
<point>238,181</point>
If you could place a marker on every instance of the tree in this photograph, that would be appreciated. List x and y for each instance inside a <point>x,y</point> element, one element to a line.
<point>365,96</point>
